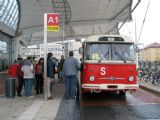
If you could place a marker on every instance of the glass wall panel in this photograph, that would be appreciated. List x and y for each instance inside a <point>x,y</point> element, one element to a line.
<point>9,13</point>
<point>5,51</point>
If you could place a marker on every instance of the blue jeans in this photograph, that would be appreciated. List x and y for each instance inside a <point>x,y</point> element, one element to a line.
<point>70,86</point>
<point>28,86</point>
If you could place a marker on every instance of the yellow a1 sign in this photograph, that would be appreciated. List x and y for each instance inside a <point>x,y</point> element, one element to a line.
<point>52,22</point>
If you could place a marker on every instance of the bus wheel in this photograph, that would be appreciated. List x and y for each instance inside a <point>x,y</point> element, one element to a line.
<point>122,93</point>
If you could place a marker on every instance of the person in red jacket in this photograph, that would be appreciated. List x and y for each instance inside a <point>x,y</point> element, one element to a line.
<point>39,67</point>
<point>12,70</point>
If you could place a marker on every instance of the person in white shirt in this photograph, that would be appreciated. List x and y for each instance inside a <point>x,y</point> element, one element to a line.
<point>28,76</point>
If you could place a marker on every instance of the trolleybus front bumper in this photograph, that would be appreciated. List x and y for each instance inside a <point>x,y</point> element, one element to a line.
<point>110,86</point>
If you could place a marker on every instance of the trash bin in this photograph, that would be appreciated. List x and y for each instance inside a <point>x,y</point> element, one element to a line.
<point>10,85</point>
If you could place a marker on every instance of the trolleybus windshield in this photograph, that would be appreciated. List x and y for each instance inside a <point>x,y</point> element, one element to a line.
<point>110,51</point>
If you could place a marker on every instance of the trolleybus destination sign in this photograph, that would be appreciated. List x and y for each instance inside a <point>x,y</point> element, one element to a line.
<point>52,22</point>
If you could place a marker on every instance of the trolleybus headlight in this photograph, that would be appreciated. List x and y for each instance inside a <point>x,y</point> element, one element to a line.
<point>131,78</point>
<point>91,78</point>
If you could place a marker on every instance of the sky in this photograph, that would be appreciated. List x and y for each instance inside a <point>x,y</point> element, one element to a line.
<point>151,28</point>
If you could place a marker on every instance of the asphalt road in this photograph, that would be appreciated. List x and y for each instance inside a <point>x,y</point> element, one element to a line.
<point>141,105</point>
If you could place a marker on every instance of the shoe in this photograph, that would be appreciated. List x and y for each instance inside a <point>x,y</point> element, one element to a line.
<point>66,97</point>
<point>30,97</point>
<point>72,97</point>
<point>50,98</point>
<point>19,95</point>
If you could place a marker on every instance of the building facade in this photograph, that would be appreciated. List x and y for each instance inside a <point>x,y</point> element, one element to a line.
<point>54,48</point>
<point>150,53</point>
<point>59,49</point>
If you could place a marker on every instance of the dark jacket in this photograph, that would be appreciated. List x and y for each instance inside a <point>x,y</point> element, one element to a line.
<point>36,69</point>
<point>50,68</point>
<point>61,64</point>
<point>19,71</point>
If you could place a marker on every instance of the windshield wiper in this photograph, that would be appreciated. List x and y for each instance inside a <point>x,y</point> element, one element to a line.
<point>99,61</point>
<point>120,56</point>
<point>102,57</point>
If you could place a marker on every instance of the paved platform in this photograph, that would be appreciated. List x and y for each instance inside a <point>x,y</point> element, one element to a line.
<point>38,109</point>
<point>149,86</point>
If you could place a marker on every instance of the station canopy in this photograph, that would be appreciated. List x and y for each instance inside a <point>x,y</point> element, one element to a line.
<point>80,17</point>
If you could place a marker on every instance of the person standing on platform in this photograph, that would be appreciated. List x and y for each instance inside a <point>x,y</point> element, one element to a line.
<point>20,77</point>
<point>39,68</point>
<point>70,71</point>
<point>12,70</point>
<point>28,76</point>
<point>60,66</point>
<point>50,74</point>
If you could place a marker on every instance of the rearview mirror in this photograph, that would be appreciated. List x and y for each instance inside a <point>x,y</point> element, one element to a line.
<point>137,49</point>
<point>80,50</point>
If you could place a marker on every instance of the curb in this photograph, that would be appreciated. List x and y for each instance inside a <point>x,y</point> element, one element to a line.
<point>149,89</point>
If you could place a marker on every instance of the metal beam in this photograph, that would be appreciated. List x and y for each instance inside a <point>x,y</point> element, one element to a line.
<point>78,23</point>
<point>126,18</point>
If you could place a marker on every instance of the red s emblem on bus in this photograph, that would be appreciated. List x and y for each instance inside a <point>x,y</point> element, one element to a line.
<point>103,70</point>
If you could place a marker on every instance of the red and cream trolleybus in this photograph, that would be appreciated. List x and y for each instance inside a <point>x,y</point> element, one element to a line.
<point>108,64</point>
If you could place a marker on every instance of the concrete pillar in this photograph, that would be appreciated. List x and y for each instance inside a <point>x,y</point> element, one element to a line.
<point>15,47</point>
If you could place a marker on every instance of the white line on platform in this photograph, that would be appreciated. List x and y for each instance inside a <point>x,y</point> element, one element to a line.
<point>30,113</point>
<point>144,104</point>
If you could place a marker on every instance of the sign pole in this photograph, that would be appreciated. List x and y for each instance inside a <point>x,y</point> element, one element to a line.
<point>45,56</point>
<point>51,24</point>
<point>63,47</point>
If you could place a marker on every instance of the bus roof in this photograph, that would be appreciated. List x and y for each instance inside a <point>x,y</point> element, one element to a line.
<point>96,38</point>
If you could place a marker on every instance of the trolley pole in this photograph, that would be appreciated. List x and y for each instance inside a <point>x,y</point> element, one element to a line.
<point>137,52</point>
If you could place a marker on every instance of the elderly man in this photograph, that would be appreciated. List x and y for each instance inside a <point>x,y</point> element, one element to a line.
<point>70,71</point>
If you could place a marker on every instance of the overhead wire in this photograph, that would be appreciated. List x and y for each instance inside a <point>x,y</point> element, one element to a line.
<point>129,14</point>
<point>95,16</point>
<point>107,6</point>
<point>143,21</point>
<point>128,30</point>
